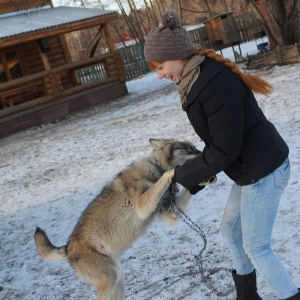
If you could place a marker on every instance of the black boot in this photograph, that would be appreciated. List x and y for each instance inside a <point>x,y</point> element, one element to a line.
<point>295,297</point>
<point>245,286</point>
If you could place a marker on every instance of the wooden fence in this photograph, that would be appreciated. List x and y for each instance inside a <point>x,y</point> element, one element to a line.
<point>250,27</point>
<point>134,61</point>
<point>134,65</point>
<point>278,56</point>
<point>200,38</point>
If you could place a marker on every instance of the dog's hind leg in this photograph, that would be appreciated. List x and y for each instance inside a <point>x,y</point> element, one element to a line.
<point>104,272</point>
<point>119,291</point>
<point>106,290</point>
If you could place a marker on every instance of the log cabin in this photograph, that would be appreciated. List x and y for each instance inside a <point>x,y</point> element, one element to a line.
<point>39,80</point>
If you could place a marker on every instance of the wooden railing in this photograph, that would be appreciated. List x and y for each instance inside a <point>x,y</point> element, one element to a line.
<point>51,79</point>
<point>92,73</point>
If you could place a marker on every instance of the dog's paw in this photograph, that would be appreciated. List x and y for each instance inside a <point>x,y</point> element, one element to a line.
<point>169,175</point>
<point>210,181</point>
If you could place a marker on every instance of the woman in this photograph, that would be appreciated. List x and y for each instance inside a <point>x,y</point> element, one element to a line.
<point>219,102</point>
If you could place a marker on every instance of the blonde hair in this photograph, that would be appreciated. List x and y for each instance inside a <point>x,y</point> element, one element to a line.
<point>254,82</point>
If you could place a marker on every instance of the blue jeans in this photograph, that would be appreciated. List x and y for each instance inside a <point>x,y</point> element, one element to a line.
<point>247,228</point>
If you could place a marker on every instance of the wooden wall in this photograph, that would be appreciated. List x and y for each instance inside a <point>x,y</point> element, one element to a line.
<point>61,107</point>
<point>222,31</point>
<point>7,6</point>
<point>32,62</point>
<point>31,58</point>
<point>57,58</point>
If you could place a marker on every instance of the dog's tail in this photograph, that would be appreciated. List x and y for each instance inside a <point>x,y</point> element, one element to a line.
<point>46,249</point>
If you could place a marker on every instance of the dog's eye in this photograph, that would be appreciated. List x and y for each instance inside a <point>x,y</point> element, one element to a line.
<point>191,149</point>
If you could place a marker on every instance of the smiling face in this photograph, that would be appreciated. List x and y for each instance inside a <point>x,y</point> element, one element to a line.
<point>171,69</point>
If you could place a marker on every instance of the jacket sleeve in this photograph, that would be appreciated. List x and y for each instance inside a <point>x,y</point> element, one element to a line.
<point>223,111</point>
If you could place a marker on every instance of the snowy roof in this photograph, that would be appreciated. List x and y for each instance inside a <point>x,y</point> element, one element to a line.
<point>21,22</point>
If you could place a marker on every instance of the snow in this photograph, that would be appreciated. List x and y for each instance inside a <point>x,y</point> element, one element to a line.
<point>51,172</point>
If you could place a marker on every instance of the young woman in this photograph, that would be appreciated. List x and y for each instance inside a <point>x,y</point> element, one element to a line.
<point>219,102</point>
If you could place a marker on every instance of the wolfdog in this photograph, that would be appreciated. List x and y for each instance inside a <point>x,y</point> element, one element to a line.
<point>119,215</point>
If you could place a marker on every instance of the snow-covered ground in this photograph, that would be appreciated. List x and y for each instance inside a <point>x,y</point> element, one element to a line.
<point>50,173</point>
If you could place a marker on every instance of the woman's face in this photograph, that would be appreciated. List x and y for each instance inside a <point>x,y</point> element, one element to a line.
<point>171,69</point>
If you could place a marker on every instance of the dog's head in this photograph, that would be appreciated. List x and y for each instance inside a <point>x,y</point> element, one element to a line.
<point>170,153</point>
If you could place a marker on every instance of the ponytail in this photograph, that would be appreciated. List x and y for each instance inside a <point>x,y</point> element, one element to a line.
<point>254,82</point>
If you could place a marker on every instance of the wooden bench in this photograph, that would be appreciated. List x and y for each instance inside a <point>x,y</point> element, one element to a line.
<point>21,94</point>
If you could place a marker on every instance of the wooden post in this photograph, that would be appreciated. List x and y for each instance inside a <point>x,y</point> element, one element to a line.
<point>278,52</point>
<point>108,38</point>
<point>45,61</point>
<point>95,41</point>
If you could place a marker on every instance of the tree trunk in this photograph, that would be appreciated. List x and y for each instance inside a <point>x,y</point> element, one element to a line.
<point>151,14</point>
<point>293,28</point>
<point>129,23</point>
<point>138,23</point>
<point>155,12</point>
<point>179,9</point>
<point>210,12</point>
<point>281,22</point>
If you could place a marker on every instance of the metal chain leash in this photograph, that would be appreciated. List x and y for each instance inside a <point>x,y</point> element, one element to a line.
<point>187,220</point>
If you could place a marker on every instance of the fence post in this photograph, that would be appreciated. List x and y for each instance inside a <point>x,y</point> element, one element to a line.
<point>278,52</point>
<point>297,50</point>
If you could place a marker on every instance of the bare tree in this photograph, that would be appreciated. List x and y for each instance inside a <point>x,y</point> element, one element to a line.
<point>180,9</point>
<point>138,22</point>
<point>151,13</point>
<point>210,12</point>
<point>281,19</point>
<point>160,6</point>
<point>129,23</point>
<point>157,10</point>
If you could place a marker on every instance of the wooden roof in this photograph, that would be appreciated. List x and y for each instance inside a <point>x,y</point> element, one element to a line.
<point>24,26</point>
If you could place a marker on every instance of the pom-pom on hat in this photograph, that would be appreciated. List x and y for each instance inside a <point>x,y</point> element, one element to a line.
<point>169,41</point>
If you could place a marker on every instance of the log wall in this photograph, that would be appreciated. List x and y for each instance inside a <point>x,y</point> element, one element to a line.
<point>57,58</point>
<point>7,6</point>
<point>111,61</point>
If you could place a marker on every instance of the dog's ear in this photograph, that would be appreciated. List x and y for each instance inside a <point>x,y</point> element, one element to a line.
<point>157,144</point>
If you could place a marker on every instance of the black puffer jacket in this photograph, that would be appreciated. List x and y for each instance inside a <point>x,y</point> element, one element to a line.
<point>238,138</point>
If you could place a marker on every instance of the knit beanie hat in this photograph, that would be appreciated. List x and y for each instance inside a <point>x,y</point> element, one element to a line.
<point>169,41</point>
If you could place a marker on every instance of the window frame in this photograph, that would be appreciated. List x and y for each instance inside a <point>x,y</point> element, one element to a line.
<point>5,63</point>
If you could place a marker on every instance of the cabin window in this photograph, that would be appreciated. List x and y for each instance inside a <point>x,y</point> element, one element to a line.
<point>10,67</point>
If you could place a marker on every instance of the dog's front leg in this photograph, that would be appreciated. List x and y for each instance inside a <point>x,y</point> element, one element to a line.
<point>148,201</point>
<point>166,212</point>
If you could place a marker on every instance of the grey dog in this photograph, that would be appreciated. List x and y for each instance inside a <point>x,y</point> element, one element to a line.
<point>119,215</point>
